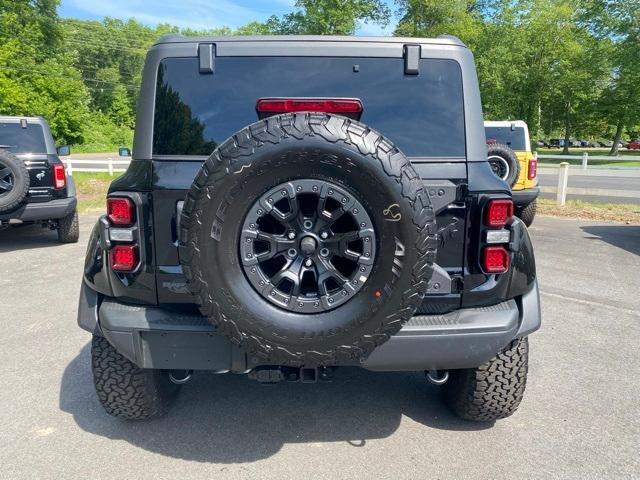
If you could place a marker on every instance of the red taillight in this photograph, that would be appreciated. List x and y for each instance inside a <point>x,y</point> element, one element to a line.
<point>498,212</point>
<point>533,168</point>
<point>495,259</point>
<point>123,258</point>
<point>286,105</point>
<point>59,178</point>
<point>120,210</point>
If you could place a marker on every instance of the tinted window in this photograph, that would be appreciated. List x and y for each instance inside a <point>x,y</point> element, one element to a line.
<point>22,140</point>
<point>515,138</point>
<point>423,114</point>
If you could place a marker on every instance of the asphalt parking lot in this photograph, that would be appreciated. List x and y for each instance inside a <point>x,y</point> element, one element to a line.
<point>580,417</point>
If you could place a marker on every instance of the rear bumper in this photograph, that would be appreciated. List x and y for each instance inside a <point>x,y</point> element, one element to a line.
<point>51,210</point>
<point>522,198</point>
<point>153,337</point>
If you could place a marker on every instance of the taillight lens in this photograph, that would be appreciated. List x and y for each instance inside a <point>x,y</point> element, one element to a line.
<point>120,211</point>
<point>533,168</point>
<point>495,259</point>
<point>498,212</point>
<point>286,105</point>
<point>123,258</point>
<point>59,178</point>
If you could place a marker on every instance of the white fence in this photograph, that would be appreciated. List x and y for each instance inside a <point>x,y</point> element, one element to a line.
<point>585,157</point>
<point>110,165</point>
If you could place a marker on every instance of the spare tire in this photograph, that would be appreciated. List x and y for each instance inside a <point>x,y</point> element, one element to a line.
<point>307,239</point>
<point>14,181</point>
<point>504,163</point>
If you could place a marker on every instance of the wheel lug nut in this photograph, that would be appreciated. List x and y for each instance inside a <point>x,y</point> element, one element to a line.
<point>324,235</point>
<point>308,262</point>
<point>291,235</point>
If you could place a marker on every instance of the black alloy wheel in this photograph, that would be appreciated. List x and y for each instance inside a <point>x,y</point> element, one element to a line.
<point>7,180</point>
<point>307,245</point>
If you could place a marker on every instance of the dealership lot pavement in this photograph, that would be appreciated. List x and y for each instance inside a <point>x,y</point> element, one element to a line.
<point>580,417</point>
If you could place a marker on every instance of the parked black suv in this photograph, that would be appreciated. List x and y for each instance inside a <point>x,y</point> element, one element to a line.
<point>347,217</point>
<point>34,187</point>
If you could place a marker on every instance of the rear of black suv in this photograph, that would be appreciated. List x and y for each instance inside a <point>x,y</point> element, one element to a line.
<point>34,187</point>
<point>347,217</point>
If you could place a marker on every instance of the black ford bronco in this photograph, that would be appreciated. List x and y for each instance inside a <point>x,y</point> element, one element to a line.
<point>296,204</point>
<point>34,187</point>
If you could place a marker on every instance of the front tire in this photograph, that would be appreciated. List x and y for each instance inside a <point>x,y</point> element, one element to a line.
<point>126,390</point>
<point>528,213</point>
<point>69,228</point>
<point>493,390</point>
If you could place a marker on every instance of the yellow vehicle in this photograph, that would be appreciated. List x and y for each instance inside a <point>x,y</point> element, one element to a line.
<point>511,159</point>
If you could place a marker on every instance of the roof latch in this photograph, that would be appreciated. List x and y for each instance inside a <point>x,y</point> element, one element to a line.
<point>207,55</point>
<point>411,59</point>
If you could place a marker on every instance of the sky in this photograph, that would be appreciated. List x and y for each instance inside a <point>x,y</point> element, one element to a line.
<point>197,14</point>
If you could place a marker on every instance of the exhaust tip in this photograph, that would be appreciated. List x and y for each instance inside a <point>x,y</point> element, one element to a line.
<point>180,377</point>
<point>437,377</point>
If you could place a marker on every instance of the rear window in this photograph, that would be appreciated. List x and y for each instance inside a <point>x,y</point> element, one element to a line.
<point>515,139</point>
<point>422,114</point>
<point>16,139</point>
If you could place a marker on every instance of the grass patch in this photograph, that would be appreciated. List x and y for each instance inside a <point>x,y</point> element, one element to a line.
<point>92,190</point>
<point>591,152</point>
<point>610,212</point>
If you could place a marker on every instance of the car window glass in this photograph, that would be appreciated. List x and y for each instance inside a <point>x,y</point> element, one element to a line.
<point>16,139</point>
<point>515,139</point>
<point>422,114</point>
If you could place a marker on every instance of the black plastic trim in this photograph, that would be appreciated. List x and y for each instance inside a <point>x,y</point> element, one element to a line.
<point>155,337</point>
<point>51,210</point>
<point>522,198</point>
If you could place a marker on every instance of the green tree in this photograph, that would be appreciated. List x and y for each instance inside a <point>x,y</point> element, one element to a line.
<point>36,77</point>
<point>329,17</point>
<point>619,24</point>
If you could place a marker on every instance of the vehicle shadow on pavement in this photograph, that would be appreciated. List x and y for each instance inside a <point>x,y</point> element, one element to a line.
<point>231,419</point>
<point>626,237</point>
<point>25,237</point>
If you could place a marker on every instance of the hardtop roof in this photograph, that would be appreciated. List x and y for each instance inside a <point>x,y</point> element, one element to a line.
<point>440,40</point>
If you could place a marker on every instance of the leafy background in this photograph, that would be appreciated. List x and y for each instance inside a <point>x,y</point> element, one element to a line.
<point>570,68</point>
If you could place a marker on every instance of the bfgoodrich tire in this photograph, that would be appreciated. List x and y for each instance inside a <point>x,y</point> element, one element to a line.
<point>125,390</point>
<point>68,228</point>
<point>14,181</point>
<point>495,389</point>
<point>528,213</point>
<point>307,154</point>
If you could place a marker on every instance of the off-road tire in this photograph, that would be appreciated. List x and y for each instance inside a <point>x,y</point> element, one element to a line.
<point>511,159</point>
<point>492,391</point>
<point>528,213</point>
<point>21,181</point>
<point>68,228</point>
<point>125,390</point>
<point>256,154</point>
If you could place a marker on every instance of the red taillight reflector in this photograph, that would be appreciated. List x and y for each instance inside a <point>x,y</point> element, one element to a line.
<point>123,258</point>
<point>59,179</point>
<point>498,212</point>
<point>286,105</point>
<point>533,168</point>
<point>120,211</point>
<point>495,260</point>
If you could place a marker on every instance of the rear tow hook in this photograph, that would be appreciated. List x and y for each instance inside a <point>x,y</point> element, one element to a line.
<point>437,377</point>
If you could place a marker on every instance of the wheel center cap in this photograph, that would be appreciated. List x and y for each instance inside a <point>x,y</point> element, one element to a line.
<point>308,245</point>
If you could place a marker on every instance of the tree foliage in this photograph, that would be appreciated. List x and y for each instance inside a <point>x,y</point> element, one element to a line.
<point>568,67</point>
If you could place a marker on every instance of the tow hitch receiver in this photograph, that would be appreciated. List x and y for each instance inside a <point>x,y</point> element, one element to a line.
<point>271,375</point>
